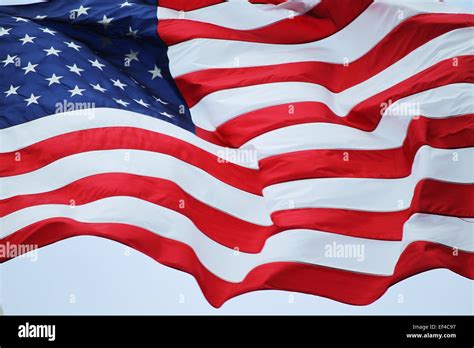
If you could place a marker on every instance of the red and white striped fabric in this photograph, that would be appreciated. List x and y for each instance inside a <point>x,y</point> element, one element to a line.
<point>361,117</point>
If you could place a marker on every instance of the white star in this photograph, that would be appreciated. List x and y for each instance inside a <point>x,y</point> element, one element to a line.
<point>76,91</point>
<point>166,114</point>
<point>52,51</point>
<point>96,64</point>
<point>131,32</point>
<point>72,45</point>
<point>8,60</point>
<point>75,69</point>
<point>81,10</point>
<point>118,84</point>
<point>126,4</point>
<point>132,56</point>
<point>54,79</point>
<point>156,72</point>
<point>47,31</point>
<point>20,19</point>
<point>121,102</point>
<point>4,31</point>
<point>32,99</point>
<point>11,91</point>
<point>30,67</point>
<point>141,102</point>
<point>159,100</point>
<point>98,87</point>
<point>105,21</point>
<point>40,17</point>
<point>27,39</point>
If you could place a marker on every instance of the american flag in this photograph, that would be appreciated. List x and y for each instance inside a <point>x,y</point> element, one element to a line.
<point>323,147</point>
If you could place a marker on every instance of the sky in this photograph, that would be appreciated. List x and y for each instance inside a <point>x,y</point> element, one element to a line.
<point>89,275</point>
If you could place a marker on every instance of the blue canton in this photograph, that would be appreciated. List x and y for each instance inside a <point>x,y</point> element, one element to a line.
<point>97,53</point>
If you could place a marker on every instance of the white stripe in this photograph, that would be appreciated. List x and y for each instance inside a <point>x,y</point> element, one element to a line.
<point>437,103</point>
<point>347,45</point>
<point>379,195</point>
<point>193,180</point>
<point>303,246</point>
<point>221,106</point>
<point>22,135</point>
<point>241,15</point>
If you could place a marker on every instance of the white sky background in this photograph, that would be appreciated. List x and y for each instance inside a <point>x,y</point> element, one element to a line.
<point>88,275</point>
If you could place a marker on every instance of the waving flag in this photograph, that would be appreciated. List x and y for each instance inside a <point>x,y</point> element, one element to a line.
<point>324,147</point>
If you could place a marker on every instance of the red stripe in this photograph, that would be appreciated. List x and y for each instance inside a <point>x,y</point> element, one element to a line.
<point>47,151</point>
<point>314,25</point>
<point>340,285</point>
<point>405,38</point>
<point>217,225</point>
<point>430,196</point>
<point>449,133</point>
<point>365,115</point>
<point>187,5</point>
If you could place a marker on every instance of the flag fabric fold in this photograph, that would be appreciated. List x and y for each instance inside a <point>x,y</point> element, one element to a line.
<point>324,147</point>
